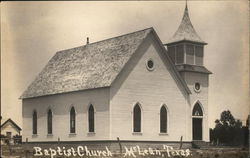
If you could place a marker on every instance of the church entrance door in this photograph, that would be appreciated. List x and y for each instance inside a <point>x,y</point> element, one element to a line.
<point>197,128</point>
<point>197,116</point>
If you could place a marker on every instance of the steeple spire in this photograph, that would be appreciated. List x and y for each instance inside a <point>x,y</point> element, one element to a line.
<point>186,4</point>
<point>186,31</point>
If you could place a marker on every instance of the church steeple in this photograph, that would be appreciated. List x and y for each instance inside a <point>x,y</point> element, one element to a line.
<point>186,30</point>
<point>186,47</point>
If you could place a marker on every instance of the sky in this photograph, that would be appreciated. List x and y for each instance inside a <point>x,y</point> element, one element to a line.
<point>32,32</point>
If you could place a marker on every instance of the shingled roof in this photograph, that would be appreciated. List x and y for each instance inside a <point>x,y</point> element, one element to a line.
<point>86,67</point>
<point>186,31</point>
<point>91,66</point>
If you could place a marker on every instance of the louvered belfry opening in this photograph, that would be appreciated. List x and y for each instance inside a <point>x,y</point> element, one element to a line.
<point>186,46</point>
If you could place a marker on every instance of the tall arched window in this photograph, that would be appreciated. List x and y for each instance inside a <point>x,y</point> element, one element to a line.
<point>72,120</point>
<point>49,121</point>
<point>137,118</point>
<point>163,120</point>
<point>91,118</point>
<point>34,120</point>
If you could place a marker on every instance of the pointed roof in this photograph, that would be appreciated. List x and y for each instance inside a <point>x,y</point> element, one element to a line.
<point>12,122</point>
<point>186,31</point>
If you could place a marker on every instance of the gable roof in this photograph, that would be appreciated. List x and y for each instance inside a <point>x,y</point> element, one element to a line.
<point>86,67</point>
<point>171,64</point>
<point>90,66</point>
<point>186,31</point>
<point>12,122</point>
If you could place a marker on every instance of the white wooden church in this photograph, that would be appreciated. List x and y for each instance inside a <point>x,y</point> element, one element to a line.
<point>132,86</point>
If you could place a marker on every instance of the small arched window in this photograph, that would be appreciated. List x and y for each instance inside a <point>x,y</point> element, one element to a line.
<point>34,120</point>
<point>197,111</point>
<point>137,118</point>
<point>163,120</point>
<point>91,118</point>
<point>72,120</point>
<point>49,121</point>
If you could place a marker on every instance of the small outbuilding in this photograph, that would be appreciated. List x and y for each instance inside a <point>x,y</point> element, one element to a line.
<point>9,129</point>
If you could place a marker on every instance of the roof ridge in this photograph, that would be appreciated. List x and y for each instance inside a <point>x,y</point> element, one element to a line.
<point>9,119</point>
<point>85,67</point>
<point>149,28</point>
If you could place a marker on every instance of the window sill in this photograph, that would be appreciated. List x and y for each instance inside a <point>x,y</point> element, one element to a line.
<point>34,135</point>
<point>49,135</point>
<point>137,133</point>
<point>163,134</point>
<point>91,133</point>
<point>72,134</point>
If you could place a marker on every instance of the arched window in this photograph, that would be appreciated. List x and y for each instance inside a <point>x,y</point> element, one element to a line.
<point>197,111</point>
<point>91,119</point>
<point>137,118</point>
<point>72,120</point>
<point>163,120</point>
<point>34,120</point>
<point>49,121</point>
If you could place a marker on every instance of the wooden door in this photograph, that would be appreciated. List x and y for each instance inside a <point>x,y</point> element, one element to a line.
<point>197,128</point>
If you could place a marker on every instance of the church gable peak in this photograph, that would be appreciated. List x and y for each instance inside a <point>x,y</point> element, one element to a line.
<point>186,31</point>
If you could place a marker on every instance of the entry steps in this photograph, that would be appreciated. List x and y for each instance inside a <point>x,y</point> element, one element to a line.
<point>198,144</point>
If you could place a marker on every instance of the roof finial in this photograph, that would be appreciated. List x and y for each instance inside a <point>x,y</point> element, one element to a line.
<point>186,8</point>
<point>87,40</point>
